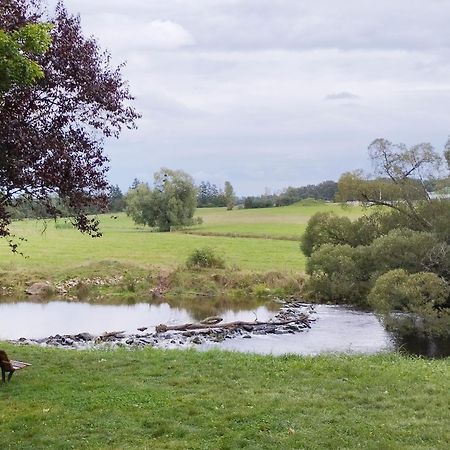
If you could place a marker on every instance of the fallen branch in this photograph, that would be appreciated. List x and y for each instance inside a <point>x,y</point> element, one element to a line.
<point>300,320</point>
<point>108,335</point>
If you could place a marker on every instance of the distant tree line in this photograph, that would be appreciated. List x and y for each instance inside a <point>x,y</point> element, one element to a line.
<point>325,191</point>
<point>209,195</point>
<point>25,207</point>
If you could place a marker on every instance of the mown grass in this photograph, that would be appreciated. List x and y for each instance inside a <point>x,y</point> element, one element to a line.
<point>59,249</point>
<point>279,223</point>
<point>153,399</point>
<point>56,252</point>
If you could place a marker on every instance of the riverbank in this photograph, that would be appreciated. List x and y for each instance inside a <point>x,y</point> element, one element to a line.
<point>177,399</point>
<point>109,280</point>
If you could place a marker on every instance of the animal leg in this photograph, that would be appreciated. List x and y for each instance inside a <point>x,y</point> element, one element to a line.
<point>10,374</point>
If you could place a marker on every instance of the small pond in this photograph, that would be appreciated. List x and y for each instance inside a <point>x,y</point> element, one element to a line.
<point>337,329</point>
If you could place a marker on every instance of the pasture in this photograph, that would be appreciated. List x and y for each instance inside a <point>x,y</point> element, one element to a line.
<point>264,246</point>
<point>257,240</point>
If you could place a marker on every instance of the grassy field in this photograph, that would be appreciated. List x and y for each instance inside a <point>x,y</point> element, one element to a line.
<point>188,400</point>
<point>287,222</point>
<point>57,252</point>
<point>59,248</point>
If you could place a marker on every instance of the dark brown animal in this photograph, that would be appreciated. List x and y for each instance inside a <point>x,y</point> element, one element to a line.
<point>6,366</point>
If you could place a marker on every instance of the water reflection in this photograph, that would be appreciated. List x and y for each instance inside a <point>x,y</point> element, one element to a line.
<point>422,345</point>
<point>201,307</point>
<point>338,329</point>
<point>38,319</point>
<point>198,307</point>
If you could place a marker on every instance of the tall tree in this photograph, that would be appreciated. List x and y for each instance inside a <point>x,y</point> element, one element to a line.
<point>52,133</point>
<point>209,195</point>
<point>169,204</point>
<point>116,200</point>
<point>399,179</point>
<point>229,195</point>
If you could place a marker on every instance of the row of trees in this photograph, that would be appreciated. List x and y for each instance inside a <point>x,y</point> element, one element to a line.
<point>325,191</point>
<point>209,195</point>
<point>24,207</point>
<point>396,257</point>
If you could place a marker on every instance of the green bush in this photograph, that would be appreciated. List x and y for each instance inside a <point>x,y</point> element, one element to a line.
<point>328,228</point>
<point>325,228</point>
<point>402,249</point>
<point>205,258</point>
<point>400,291</point>
<point>423,296</point>
<point>345,274</point>
<point>339,274</point>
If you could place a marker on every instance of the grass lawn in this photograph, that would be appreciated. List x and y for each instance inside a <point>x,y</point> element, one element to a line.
<point>56,250</point>
<point>150,399</point>
<point>284,222</point>
<point>257,240</point>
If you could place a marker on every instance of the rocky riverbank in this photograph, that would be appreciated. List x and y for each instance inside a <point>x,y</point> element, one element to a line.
<point>293,317</point>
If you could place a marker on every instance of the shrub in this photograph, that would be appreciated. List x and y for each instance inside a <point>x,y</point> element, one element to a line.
<point>400,291</point>
<point>325,228</point>
<point>204,258</point>
<point>423,296</point>
<point>261,291</point>
<point>339,274</point>
<point>328,228</point>
<point>402,249</point>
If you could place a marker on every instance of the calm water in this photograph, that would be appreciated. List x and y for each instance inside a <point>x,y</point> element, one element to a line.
<point>337,329</point>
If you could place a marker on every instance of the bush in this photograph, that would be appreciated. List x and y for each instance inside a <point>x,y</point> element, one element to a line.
<point>205,258</point>
<point>339,274</point>
<point>345,274</point>
<point>397,290</point>
<point>325,228</point>
<point>328,228</point>
<point>402,249</point>
<point>424,296</point>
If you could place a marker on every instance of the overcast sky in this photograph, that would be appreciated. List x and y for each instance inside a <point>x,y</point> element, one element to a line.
<point>272,93</point>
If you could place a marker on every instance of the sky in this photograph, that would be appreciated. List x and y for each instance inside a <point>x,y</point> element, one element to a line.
<point>272,93</point>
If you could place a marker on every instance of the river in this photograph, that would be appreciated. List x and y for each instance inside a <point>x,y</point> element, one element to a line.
<point>337,329</point>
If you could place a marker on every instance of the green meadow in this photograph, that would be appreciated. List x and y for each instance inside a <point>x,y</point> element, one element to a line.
<point>287,222</point>
<point>150,399</point>
<point>264,242</point>
<point>257,239</point>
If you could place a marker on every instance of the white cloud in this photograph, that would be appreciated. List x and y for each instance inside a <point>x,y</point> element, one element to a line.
<point>341,96</point>
<point>164,35</point>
